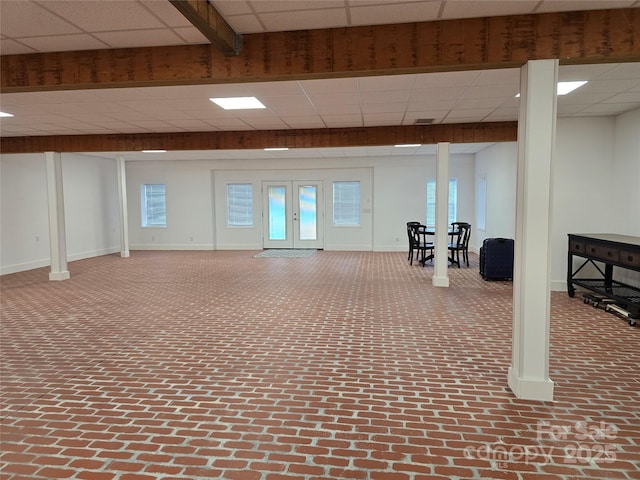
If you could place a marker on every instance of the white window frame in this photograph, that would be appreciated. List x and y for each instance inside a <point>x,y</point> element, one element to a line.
<point>145,214</point>
<point>232,221</point>
<point>452,208</point>
<point>340,219</point>
<point>481,203</point>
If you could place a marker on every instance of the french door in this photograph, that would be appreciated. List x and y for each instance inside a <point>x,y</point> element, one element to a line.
<point>292,214</point>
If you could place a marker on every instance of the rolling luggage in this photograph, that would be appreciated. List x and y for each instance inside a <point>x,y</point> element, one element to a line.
<point>496,259</point>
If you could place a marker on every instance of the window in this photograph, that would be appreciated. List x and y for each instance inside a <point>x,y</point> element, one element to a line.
<point>346,203</point>
<point>154,206</point>
<point>239,204</point>
<point>481,203</point>
<point>431,201</point>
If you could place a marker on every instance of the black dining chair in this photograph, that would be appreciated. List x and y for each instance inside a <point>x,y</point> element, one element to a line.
<point>413,246</point>
<point>423,243</point>
<point>459,242</point>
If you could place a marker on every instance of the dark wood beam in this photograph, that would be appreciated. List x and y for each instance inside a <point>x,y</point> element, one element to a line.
<point>253,139</point>
<point>211,24</point>
<point>583,37</point>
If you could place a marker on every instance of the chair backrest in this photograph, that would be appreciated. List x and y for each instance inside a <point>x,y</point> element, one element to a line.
<point>461,234</point>
<point>412,231</point>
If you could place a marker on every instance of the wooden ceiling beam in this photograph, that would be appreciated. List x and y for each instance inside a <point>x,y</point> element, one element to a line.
<point>583,37</point>
<point>253,139</point>
<point>211,24</point>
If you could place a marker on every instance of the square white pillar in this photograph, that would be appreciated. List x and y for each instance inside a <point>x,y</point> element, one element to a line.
<point>57,234</point>
<point>528,375</point>
<point>122,204</point>
<point>441,241</point>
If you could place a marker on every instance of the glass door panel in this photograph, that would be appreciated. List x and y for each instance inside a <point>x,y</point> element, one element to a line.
<point>277,213</point>
<point>308,209</point>
<point>292,214</point>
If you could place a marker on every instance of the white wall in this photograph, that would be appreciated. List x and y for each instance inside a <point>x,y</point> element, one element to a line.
<point>91,209</point>
<point>189,206</point>
<point>626,171</point>
<point>91,206</point>
<point>24,220</point>
<point>498,165</point>
<point>393,192</point>
<point>596,178</point>
<point>595,183</point>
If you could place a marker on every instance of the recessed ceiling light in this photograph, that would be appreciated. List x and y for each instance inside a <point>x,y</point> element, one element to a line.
<point>405,145</point>
<point>566,87</point>
<point>4,114</point>
<point>275,149</point>
<point>154,151</point>
<point>238,103</point>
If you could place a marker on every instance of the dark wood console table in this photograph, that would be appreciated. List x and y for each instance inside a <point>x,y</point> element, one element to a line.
<point>611,250</point>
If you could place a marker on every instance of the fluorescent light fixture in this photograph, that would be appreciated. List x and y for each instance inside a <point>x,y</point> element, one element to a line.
<point>4,114</point>
<point>275,149</point>
<point>154,151</point>
<point>238,103</point>
<point>406,145</point>
<point>566,87</point>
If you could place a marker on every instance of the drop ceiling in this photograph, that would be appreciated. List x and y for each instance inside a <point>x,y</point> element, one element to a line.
<point>30,26</point>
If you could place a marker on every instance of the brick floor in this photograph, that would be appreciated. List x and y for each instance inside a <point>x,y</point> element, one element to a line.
<point>343,365</point>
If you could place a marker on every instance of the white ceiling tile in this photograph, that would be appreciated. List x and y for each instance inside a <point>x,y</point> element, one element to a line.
<point>478,102</point>
<point>232,7</point>
<point>470,113</point>
<point>303,121</point>
<point>146,38</point>
<point>17,14</point>
<point>333,85</point>
<point>377,119</point>
<point>629,70</point>
<point>500,76</point>
<point>245,24</point>
<point>12,47</point>
<point>266,123</point>
<point>398,108</point>
<point>166,12</point>
<point>571,5</point>
<point>303,20</point>
<point>191,35</point>
<point>627,97</point>
<point>104,15</point>
<point>446,79</point>
<point>386,83</point>
<point>340,120</point>
<point>486,8</point>
<point>339,109</point>
<point>439,94</point>
<point>391,13</point>
<point>189,124</point>
<point>322,101</point>
<point>390,96</point>
<point>65,43</point>
<point>287,6</point>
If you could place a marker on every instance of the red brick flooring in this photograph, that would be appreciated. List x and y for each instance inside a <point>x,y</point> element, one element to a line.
<point>199,365</point>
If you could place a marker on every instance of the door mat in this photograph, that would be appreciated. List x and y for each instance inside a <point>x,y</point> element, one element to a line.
<point>285,253</point>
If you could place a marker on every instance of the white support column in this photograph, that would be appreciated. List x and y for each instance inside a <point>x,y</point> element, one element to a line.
<point>529,372</point>
<point>122,202</point>
<point>440,262</point>
<point>57,235</point>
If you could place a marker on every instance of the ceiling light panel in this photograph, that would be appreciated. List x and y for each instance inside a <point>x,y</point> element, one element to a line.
<point>238,103</point>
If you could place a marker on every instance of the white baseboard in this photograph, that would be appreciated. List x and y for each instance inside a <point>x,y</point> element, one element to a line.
<point>155,246</point>
<point>95,253</point>
<point>23,267</point>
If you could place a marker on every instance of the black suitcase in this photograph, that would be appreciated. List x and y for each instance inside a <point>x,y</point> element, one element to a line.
<point>496,259</point>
